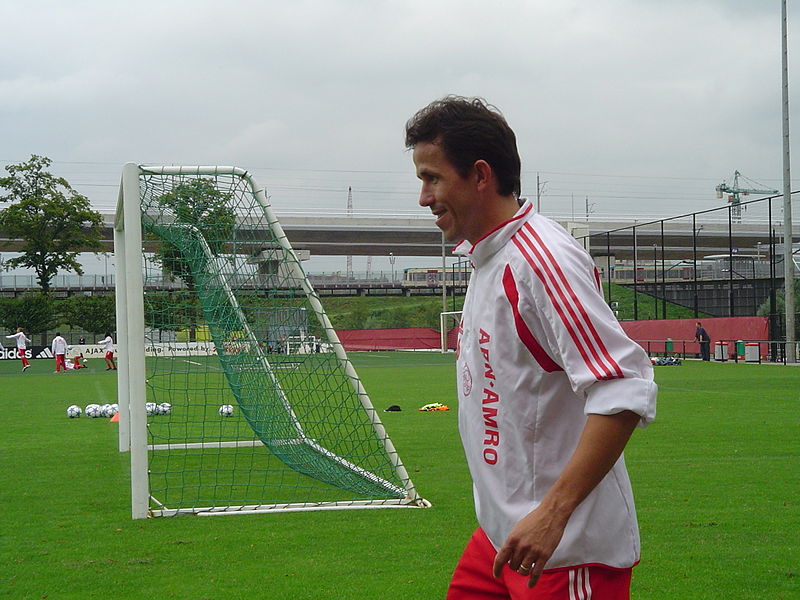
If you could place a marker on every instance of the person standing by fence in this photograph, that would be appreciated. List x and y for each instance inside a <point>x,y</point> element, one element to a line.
<point>701,336</point>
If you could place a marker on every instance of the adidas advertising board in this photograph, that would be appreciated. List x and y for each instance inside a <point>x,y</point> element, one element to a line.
<point>97,351</point>
<point>34,352</point>
<point>13,353</point>
<point>43,353</point>
<point>31,352</point>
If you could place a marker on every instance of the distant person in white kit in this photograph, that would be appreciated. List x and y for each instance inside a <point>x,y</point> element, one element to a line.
<point>108,345</point>
<point>22,346</point>
<point>59,347</point>
<point>549,386</point>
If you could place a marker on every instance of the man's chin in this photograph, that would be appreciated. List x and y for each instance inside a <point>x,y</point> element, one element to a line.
<point>451,236</point>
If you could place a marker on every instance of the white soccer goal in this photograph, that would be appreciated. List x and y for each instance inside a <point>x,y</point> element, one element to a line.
<point>213,309</point>
<point>449,323</point>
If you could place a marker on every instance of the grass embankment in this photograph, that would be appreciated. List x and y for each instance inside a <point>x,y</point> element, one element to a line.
<point>374,312</point>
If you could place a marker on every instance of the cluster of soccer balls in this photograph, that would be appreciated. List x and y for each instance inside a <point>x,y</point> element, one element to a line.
<point>93,411</point>
<point>165,408</point>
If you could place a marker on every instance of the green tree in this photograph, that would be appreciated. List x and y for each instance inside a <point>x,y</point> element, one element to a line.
<point>175,310</point>
<point>95,314</point>
<point>54,222</point>
<point>35,313</point>
<point>199,204</point>
<point>198,215</point>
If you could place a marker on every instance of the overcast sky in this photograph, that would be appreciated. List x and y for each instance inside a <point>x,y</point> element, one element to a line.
<point>641,105</point>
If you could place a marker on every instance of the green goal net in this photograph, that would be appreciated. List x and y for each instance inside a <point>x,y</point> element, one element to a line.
<point>249,402</point>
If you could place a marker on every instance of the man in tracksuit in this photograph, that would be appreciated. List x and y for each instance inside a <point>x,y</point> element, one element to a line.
<point>550,388</point>
<point>59,347</point>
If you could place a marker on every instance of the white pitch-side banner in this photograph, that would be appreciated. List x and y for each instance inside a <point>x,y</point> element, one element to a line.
<point>151,349</point>
<point>180,349</point>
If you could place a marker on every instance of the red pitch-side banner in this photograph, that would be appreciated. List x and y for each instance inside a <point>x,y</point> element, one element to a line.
<point>410,338</point>
<point>654,333</point>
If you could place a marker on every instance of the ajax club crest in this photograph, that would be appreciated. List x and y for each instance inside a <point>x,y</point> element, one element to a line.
<point>466,380</point>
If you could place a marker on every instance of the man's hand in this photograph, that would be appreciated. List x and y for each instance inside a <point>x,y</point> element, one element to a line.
<point>531,544</point>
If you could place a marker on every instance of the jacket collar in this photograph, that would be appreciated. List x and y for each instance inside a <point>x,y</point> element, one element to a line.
<point>497,238</point>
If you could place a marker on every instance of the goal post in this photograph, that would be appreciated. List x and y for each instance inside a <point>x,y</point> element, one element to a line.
<point>215,310</point>
<point>449,323</point>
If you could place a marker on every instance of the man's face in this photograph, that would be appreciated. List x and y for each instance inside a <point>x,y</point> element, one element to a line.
<point>451,198</point>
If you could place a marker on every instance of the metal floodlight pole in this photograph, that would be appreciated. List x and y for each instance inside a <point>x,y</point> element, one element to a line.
<point>444,274</point>
<point>635,277</point>
<point>788,263</point>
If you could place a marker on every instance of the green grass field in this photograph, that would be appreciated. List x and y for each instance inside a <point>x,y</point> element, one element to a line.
<point>716,478</point>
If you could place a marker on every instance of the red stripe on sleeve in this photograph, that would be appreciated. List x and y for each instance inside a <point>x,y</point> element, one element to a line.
<point>577,303</point>
<point>559,308</point>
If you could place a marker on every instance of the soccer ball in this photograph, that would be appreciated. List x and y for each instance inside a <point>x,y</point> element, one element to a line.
<point>150,407</point>
<point>164,408</point>
<point>74,411</point>
<point>106,411</point>
<point>226,410</point>
<point>93,411</point>
<point>114,409</point>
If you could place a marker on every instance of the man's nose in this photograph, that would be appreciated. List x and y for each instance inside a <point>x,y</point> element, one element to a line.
<point>425,197</point>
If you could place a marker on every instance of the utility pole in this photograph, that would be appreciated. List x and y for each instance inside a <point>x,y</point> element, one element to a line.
<point>539,189</point>
<point>349,214</point>
<point>788,262</point>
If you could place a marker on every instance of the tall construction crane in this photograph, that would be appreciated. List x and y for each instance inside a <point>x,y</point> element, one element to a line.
<point>734,191</point>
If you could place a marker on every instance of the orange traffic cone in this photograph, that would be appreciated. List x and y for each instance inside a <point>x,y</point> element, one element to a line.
<point>115,418</point>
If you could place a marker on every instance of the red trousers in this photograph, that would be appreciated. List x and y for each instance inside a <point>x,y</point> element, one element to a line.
<point>473,579</point>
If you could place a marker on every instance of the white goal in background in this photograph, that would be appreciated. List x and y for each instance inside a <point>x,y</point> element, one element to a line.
<point>448,327</point>
<point>214,310</point>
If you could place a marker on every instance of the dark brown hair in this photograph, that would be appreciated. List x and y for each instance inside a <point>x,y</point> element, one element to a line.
<point>468,130</point>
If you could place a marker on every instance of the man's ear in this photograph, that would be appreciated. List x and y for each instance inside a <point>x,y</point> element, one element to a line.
<point>484,175</point>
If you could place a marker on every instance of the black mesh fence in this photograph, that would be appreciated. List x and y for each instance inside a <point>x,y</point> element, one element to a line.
<point>722,262</point>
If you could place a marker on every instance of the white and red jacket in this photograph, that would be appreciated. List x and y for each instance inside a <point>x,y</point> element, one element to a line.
<point>539,349</point>
<point>21,338</point>
<point>59,345</point>
<point>107,343</point>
